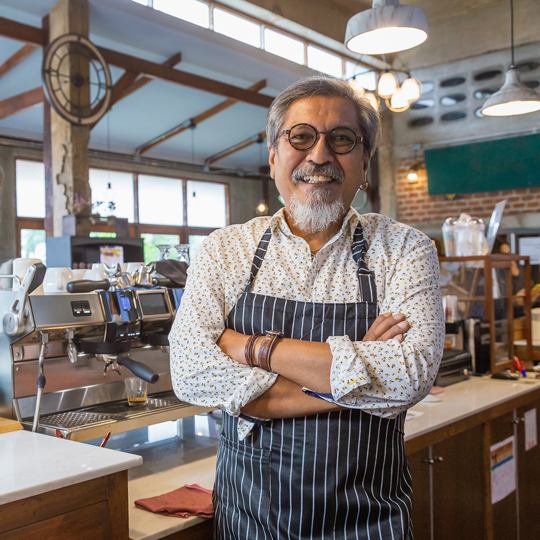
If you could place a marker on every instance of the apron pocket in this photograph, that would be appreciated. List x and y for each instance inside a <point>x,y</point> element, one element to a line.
<point>243,486</point>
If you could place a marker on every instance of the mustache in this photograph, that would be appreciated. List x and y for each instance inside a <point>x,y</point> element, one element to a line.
<point>321,170</point>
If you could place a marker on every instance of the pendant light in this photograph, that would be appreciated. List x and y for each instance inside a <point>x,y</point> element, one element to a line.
<point>411,88</point>
<point>387,85</point>
<point>398,102</point>
<point>514,97</point>
<point>386,28</point>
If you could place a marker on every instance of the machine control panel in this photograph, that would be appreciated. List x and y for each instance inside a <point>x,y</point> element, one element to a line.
<point>81,308</point>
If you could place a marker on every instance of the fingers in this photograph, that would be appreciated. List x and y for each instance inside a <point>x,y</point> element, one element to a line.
<point>387,326</point>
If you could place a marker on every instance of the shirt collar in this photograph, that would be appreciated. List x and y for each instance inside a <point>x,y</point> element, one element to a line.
<point>278,222</point>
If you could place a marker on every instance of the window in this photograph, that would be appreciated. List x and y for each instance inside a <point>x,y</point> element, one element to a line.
<point>161,200</point>
<point>206,204</point>
<point>115,187</point>
<point>284,46</point>
<point>324,61</point>
<point>33,244</point>
<point>192,11</point>
<point>368,79</point>
<point>195,243</point>
<point>30,187</point>
<point>237,27</point>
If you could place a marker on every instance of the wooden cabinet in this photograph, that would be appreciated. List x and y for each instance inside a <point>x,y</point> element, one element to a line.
<point>451,473</point>
<point>93,510</point>
<point>448,488</point>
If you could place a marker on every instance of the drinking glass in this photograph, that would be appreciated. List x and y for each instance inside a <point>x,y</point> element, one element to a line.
<point>164,253</point>
<point>182,253</point>
<point>137,391</point>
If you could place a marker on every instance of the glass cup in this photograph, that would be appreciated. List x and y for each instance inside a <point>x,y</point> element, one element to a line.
<point>164,252</point>
<point>182,253</point>
<point>137,391</point>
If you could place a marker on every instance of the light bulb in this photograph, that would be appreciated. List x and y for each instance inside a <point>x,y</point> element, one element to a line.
<point>411,89</point>
<point>262,209</point>
<point>387,84</point>
<point>398,102</point>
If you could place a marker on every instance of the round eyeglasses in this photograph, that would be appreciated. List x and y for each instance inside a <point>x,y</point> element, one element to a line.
<point>340,140</point>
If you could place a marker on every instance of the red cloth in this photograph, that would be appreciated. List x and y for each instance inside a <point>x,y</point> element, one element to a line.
<point>190,500</point>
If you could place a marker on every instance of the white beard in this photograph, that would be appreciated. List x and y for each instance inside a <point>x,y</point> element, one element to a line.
<point>317,214</point>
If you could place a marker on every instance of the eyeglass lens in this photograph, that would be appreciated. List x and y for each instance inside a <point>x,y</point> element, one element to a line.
<point>340,140</point>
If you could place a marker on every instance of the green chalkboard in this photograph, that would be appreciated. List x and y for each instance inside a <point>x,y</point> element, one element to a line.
<point>485,166</point>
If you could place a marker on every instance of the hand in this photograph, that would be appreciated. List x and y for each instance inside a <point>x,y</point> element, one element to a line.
<point>233,344</point>
<point>387,326</point>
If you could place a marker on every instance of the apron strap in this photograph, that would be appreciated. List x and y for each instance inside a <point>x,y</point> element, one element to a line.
<point>366,278</point>
<point>259,257</point>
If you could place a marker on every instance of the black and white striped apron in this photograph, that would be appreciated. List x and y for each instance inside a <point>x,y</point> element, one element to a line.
<point>341,475</point>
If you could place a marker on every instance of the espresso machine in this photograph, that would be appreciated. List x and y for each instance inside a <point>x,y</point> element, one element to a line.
<point>64,357</point>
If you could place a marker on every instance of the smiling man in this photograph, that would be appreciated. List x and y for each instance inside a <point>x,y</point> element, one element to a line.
<point>313,330</point>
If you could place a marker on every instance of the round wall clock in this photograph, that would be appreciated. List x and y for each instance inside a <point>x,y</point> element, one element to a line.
<point>76,79</point>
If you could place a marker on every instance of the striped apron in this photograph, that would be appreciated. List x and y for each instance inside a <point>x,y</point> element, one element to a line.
<point>341,475</point>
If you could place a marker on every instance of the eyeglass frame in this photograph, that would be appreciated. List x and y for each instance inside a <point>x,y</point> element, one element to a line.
<point>317,133</point>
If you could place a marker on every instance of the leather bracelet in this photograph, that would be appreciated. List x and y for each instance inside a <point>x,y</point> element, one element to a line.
<point>250,346</point>
<point>266,349</point>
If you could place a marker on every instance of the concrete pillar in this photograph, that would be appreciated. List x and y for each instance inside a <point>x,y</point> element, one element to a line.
<point>66,149</point>
<point>387,170</point>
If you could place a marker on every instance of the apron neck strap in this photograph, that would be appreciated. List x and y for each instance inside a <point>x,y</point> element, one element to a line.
<point>259,256</point>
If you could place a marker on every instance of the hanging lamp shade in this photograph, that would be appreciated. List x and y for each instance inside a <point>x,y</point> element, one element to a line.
<point>512,99</point>
<point>411,88</point>
<point>398,102</point>
<point>387,85</point>
<point>386,28</point>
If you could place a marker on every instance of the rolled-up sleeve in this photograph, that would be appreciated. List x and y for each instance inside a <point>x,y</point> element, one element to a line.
<point>389,377</point>
<point>201,373</point>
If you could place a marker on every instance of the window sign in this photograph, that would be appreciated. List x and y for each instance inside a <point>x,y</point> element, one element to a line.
<point>324,61</point>
<point>284,46</point>
<point>114,191</point>
<point>30,188</point>
<point>160,200</point>
<point>206,204</point>
<point>237,27</point>
<point>192,11</point>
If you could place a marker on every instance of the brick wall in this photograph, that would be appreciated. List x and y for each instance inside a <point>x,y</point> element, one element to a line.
<point>415,205</point>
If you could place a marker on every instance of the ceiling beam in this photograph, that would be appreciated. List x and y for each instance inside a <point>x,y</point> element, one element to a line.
<point>125,84</point>
<point>17,58</point>
<point>22,32</point>
<point>21,102</point>
<point>31,34</point>
<point>258,138</point>
<point>192,122</point>
<point>158,71</point>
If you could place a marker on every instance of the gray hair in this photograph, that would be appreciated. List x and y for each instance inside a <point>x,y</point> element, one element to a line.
<point>322,85</point>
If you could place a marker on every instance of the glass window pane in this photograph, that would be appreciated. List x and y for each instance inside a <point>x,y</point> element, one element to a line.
<point>206,204</point>
<point>192,11</point>
<point>30,182</point>
<point>195,243</point>
<point>368,79</point>
<point>160,200</point>
<point>120,193</point>
<point>151,241</point>
<point>237,27</point>
<point>324,61</point>
<point>33,244</point>
<point>143,2</point>
<point>284,46</point>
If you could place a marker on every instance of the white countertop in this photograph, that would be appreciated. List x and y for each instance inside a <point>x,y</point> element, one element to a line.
<point>31,463</point>
<point>465,399</point>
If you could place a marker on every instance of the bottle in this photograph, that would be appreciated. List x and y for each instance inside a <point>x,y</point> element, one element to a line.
<point>448,232</point>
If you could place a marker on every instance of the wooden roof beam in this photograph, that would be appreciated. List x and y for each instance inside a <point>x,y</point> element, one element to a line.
<point>259,138</point>
<point>21,102</point>
<point>22,32</point>
<point>130,81</point>
<point>192,122</point>
<point>15,59</point>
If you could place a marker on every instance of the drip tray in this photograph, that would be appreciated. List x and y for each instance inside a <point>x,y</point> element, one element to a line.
<point>117,417</point>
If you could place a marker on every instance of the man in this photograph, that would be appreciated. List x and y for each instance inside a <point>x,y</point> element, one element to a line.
<point>312,442</point>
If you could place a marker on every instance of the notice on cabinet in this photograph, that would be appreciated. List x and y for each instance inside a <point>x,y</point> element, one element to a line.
<point>503,470</point>
<point>530,429</point>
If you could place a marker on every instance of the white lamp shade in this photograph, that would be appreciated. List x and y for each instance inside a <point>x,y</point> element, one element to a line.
<point>411,88</point>
<point>387,85</point>
<point>512,99</point>
<point>386,28</point>
<point>398,102</point>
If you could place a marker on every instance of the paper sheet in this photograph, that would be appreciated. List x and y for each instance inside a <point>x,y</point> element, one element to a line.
<point>503,469</point>
<point>530,429</point>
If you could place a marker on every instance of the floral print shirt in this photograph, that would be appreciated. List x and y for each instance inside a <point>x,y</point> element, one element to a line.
<point>382,378</point>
